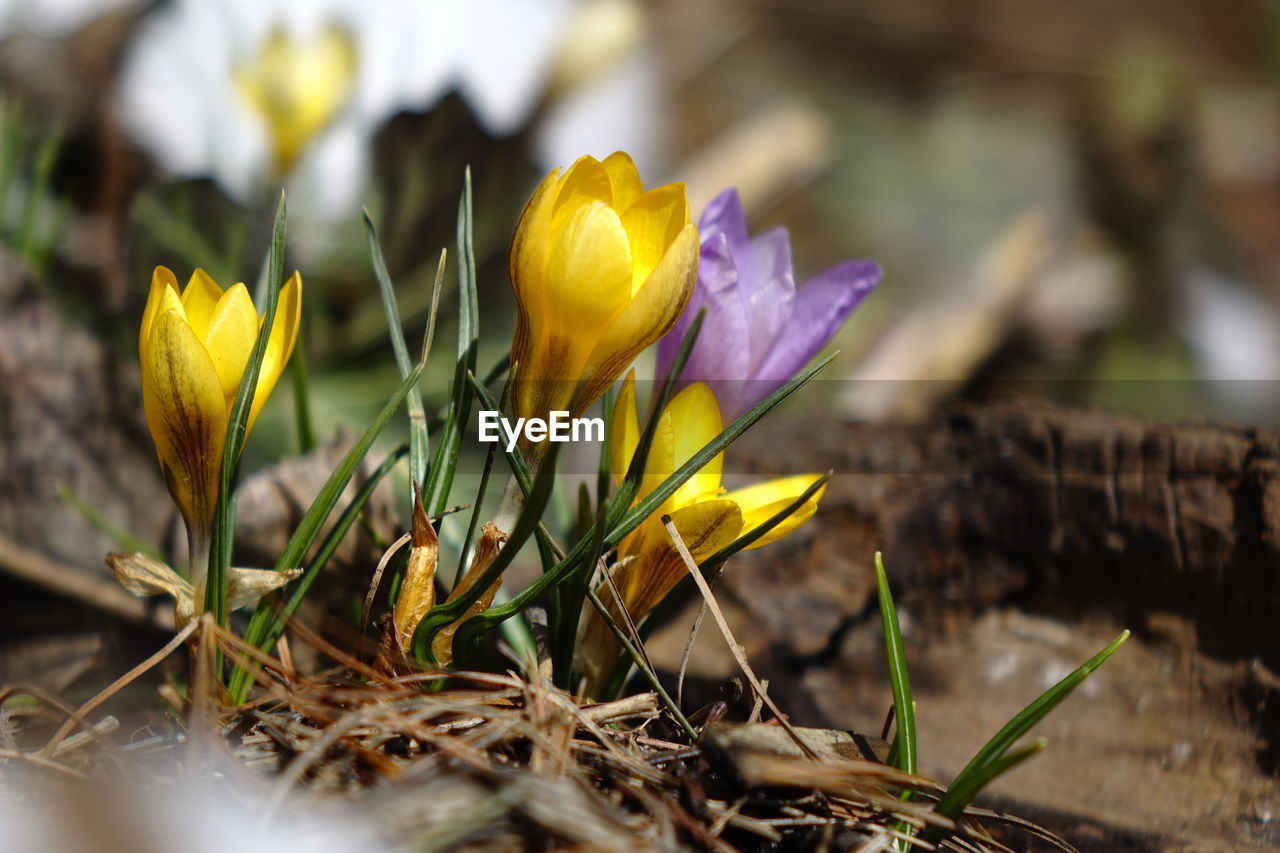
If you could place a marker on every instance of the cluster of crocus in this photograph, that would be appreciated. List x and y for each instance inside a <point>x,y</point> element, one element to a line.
<point>707,517</point>
<point>760,329</point>
<point>601,269</point>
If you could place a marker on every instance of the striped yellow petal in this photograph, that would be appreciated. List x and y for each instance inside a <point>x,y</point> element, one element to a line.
<point>186,413</point>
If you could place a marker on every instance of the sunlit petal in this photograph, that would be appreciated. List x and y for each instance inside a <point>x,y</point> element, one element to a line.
<point>232,330</point>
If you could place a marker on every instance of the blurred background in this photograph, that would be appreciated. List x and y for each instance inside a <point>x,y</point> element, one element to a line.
<point>1073,202</point>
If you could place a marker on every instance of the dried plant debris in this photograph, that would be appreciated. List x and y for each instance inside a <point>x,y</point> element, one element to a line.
<point>466,762</point>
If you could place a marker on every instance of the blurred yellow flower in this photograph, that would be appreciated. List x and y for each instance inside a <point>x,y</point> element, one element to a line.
<point>297,86</point>
<point>601,269</point>
<point>193,348</point>
<point>706,516</point>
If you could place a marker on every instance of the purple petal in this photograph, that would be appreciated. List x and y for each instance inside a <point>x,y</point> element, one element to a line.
<point>718,353</point>
<point>768,289</point>
<point>724,215</point>
<point>820,308</point>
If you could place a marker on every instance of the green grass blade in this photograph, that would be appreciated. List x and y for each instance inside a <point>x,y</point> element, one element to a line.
<point>215,596</point>
<point>445,460</point>
<point>302,398</point>
<point>419,439</point>
<point>489,457</point>
<point>526,523</point>
<point>963,791</point>
<point>473,628</point>
<point>903,709</point>
<point>963,788</point>
<point>308,529</point>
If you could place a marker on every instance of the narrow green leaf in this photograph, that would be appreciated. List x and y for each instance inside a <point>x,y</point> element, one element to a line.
<point>308,529</point>
<point>903,709</point>
<point>445,461</point>
<point>526,523</point>
<point>418,435</point>
<point>215,598</point>
<point>302,398</point>
<point>964,787</point>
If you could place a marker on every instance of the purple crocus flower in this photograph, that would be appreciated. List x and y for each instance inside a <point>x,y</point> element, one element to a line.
<point>760,329</point>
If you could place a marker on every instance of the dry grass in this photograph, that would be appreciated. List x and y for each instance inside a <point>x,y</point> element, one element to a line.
<point>485,761</point>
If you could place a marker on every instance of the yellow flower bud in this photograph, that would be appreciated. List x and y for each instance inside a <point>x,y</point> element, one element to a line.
<point>601,269</point>
<point>193,348</point>
<point>297,87</point>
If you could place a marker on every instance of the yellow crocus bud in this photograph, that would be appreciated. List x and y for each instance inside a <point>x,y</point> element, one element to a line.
<point>706,516</point>
<point>193,348</point>
<point>601,269</point>
<point>296,86</point>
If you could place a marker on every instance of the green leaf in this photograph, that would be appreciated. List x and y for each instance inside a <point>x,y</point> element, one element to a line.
<point>445,461</point>
<point>302,398</point>
<point>526,523</point>
<point>215,596</point>
<point>308,529</point>
<point>980,767</point>
<point>419,440</point>
<point>903,708</point>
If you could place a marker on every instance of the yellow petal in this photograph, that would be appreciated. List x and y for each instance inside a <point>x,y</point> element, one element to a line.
<point>232,330</point>
<point>653,222</point>
<point>704,528</point>
<point>623,179</point>
<point>528,258</point>
<point>694,420</point>
<point>162,297</point>
<point>186,413</point>
<point>418,588</point>
<point>588,271</point>
<point>761,502</point>
<point>624,429</point>
<point>284,335</point>
<point>647,317</point>
<point>585,181</point>
<point>199,299</point>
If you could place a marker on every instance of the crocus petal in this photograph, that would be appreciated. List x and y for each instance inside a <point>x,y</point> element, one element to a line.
<point>284,335</point>
<point>623,178</point>
<point>584,182</point>
<point>718,352</point>
<point>767,288</point>
<point>528,259</point>
<point>691,419</point>
<point>724,215</point>
<point>647,317</point>
<point>162,297</point>
<point>199,298</point>
<point>624,429</point>
<point>704,528</point>
<point>653,222</point>
<point>232,330</point>
<point>589,269</point>
<point>819,309</point>
<point>186,413</point>
<point>761,502</point>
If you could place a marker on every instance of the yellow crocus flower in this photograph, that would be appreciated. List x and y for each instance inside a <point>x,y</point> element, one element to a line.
<point>296,86</point>
<point>193,348</point>
<point>706,516</point>
<point>601,269</point>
